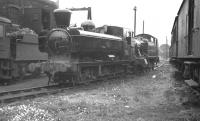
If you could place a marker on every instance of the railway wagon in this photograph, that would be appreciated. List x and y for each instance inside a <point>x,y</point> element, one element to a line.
<point>19,53</point>
<point>173,50</point>
<point>79,56</point>
<point>34,14</point>
<point>184,50</point>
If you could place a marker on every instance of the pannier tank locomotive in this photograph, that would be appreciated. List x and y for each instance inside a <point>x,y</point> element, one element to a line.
<point>80,54</point>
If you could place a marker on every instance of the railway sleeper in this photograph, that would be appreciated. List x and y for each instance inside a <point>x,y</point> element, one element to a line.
<point>28,94</point>
<point>13,98</point>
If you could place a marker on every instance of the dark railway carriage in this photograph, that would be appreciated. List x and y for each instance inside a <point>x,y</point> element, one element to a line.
<point>185,44</point>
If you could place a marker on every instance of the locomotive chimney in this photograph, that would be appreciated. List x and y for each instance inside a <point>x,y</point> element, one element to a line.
<point>62,17</point>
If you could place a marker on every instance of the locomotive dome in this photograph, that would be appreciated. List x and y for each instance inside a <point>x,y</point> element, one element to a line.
<point>88,25</point>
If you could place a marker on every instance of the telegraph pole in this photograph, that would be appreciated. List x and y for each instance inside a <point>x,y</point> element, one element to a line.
<point>143,27</point>
<point>57,3</point>
<point>135,9</point>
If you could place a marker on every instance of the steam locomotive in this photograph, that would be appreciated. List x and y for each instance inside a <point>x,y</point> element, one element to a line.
<point>82,54</point>
<point>19,54</point>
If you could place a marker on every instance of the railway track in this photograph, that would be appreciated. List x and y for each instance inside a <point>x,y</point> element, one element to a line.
<point>160,64</point>
<point>22,94</point>
<point>29,93</point>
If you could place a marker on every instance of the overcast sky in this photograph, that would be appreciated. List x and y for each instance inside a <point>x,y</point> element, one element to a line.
<point>158,15</point>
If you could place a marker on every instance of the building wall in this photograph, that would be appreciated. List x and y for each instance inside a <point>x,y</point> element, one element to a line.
<point>28,13</point>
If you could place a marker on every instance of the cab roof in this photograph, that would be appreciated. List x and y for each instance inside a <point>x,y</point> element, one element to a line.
<point>5,20</point>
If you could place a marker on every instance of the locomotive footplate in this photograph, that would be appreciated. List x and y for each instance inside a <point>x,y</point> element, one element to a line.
<point>91,71</point>
<point>82,64</point>
<point>64,77</point>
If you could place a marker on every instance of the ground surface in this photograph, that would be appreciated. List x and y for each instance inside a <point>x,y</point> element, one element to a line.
<point>156,96</point>
<point>28,83</point>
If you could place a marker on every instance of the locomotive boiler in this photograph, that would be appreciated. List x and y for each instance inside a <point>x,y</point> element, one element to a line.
<point>79,54</point>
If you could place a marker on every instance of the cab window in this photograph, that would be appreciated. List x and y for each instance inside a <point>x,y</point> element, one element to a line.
<point>10,28</point>
<point>1,31</point>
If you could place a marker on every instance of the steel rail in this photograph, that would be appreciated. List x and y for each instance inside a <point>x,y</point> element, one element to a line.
<point>14,95</point>
<point>28,93</point>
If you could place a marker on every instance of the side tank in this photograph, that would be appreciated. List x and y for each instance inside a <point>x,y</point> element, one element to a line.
<point>91,43</point>
<point>65,39</point>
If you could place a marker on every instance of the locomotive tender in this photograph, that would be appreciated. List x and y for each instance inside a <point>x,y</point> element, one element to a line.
<point>79,55</point>
<point>185,44</point>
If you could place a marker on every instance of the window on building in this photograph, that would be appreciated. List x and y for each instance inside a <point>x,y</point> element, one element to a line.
<point>14,14</point>
<point>46,19</point>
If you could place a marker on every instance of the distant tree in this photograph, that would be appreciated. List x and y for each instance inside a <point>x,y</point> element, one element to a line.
<point>164,51</point>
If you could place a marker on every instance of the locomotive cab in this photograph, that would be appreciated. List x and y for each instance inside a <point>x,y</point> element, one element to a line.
<point>5,71</point>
